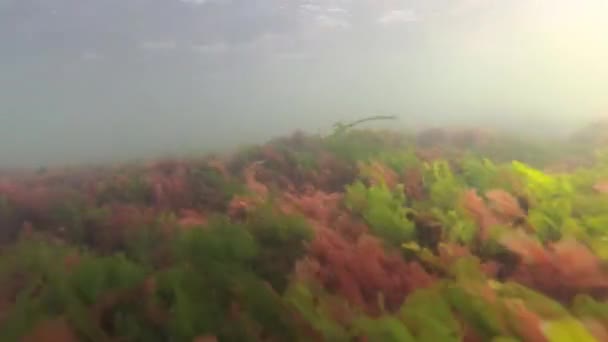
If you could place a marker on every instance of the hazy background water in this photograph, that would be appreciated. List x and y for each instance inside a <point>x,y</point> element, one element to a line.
<point>94,80</point>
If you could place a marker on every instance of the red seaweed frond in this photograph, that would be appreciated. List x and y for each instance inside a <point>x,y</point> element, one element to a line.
<point>125,216</point>
<point>378,173</point>
<point>504,205</point>
<point>528,324</point>
<point>191,218</point>
<point>52,330</point>
<point>220,166</point>
<point>483,216</point>
<point>269,153</point>
<point>502,209</point>
<point>561,269</point>
<point>429,154</point>
<point>240,206</point>
<point>362,271</point>
<point>34,199</point>
<point>253,184</point>
<point>316,205</point>
<point>349,227</point>
<point>598,329</point>
<point>123,220</point>
<point>333,174</point>
<point>170,186</point>
<point>601,187</point>
<point>414,185</point>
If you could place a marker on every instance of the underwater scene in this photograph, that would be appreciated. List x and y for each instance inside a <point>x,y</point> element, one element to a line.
<point>303,171</point>
<point>358,235</point>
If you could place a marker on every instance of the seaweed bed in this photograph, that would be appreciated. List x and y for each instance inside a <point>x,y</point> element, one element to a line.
<point>361,235</point>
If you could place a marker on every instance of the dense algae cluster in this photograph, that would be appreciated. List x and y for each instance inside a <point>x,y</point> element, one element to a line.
<point>447,235</point>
